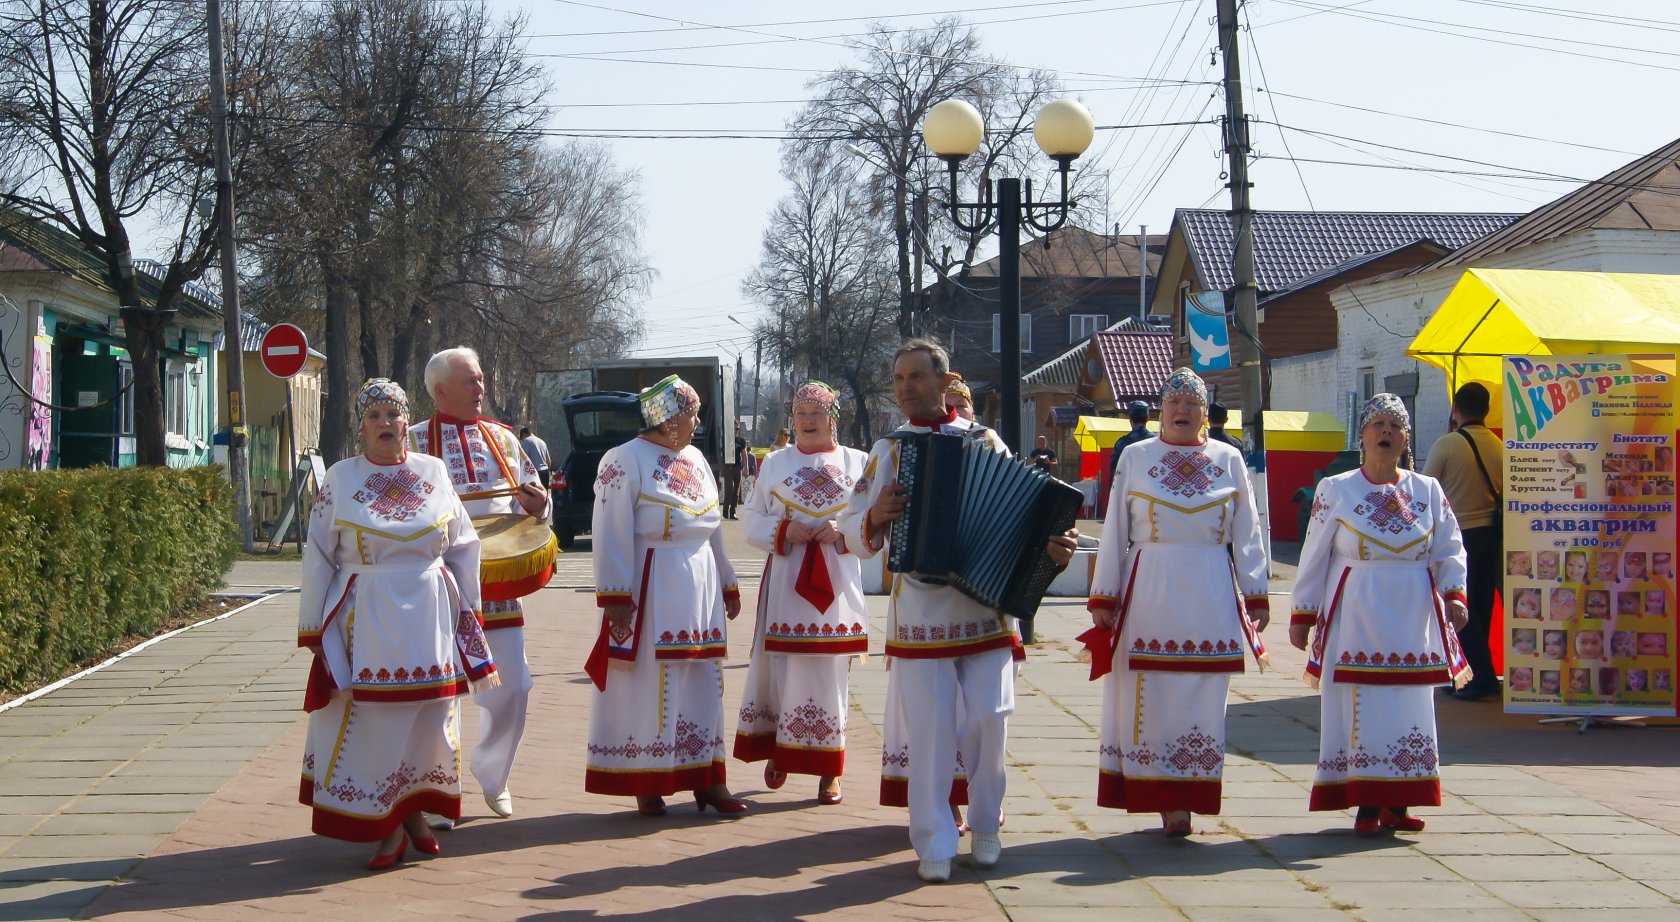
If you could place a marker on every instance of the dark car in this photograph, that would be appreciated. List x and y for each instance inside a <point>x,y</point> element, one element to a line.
<point>598,420</point>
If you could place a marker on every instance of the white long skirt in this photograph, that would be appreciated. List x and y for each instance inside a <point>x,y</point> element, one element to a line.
<point>794,712</point>
<point>658,728</point>
<point>367,765</point>
<point>1376,747</point>
<point>1163,740</point>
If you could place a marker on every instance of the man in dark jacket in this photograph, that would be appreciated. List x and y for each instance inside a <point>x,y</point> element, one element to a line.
<point>1138,412</point>
<point>1217,417</point>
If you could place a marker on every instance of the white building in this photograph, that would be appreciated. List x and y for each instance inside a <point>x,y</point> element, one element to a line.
<point>1628,221</point>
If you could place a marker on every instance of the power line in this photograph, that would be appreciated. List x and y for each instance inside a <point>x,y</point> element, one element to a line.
<point>1410,22</point>
<point>1436,121</point>
<point>1254,50</point>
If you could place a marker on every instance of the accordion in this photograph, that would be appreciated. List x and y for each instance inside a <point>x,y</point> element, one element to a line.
<point>978,520</point>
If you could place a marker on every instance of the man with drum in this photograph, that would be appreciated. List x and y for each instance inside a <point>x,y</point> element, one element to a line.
<point>494,477</point>
<point>953,674</point>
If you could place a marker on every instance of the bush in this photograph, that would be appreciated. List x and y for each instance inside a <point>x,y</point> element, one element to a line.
<point>91,557</point>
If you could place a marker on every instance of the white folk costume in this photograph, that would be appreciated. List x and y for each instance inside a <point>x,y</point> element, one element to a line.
<point>811,615</point>
<point>1181,563</point>
<point>390,592</point>
<point>1378,563</point>
<point>656,722</point>
<point>485,456</point>
<point>952,681</point>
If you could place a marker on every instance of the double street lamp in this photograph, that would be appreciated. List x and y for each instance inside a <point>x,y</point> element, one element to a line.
<point>953,131</point>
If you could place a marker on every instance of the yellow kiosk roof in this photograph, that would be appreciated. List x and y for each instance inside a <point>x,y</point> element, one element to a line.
<point>1492,313</point>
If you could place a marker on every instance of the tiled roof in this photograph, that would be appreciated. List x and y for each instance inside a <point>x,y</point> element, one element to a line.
<point>1080,254</point>
<point>1643,195</point>
<point>1291,245</point>
<point>59,251</point>
<point>1066,371</point>
<point>1136,363</point>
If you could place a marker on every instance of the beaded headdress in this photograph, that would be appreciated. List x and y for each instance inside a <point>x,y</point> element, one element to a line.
<point>667,399</point>
<point>380,390</point>
<point>1184,382</point>
<point>1385,405</point>
<point>820,394</point>
<point>955,386</point>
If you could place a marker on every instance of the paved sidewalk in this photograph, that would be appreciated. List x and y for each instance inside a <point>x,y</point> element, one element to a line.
<point>175,773</point>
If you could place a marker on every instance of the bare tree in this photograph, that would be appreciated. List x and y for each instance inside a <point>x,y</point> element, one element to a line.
<point>102,128</point>
<point>878,106</point>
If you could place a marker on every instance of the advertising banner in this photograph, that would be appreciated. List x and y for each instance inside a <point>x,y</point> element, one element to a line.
<point>1589,534</point>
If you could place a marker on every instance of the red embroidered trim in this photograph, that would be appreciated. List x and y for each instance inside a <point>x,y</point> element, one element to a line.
<point>1375,792</point>
<point>372,829</point>
<point>655,782</point>
<point>1158,795</point>
<point>895,792</point>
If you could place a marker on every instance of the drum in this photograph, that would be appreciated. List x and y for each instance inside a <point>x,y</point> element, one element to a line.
<point>516,555</point>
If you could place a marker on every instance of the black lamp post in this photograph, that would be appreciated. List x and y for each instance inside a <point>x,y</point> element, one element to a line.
<point>953,131</point>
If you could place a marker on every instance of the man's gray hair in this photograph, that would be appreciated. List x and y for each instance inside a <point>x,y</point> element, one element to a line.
<point>936,353</point>
<point>439,364</point>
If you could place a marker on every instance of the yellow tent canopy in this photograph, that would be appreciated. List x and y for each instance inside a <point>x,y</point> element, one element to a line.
<point>1286,430</point>
<point>1492,313</point>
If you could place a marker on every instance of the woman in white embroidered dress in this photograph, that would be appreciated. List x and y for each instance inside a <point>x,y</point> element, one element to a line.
<point>390,607</point>
<point>811,610</point>
<point>665,588</point>
<point>1381,588</point>
<point>1179,589</point>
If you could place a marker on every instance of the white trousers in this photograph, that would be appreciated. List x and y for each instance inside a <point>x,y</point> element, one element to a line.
<point>945,704</point>
<point>501,711</point>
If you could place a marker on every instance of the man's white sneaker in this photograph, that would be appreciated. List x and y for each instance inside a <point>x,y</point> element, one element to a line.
<point>986,849</point>
<point>500,804</point>
<point>934,872</point>
<point>438,823</point>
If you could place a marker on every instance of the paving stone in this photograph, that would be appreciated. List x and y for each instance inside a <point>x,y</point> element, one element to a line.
<point>1579,894</point>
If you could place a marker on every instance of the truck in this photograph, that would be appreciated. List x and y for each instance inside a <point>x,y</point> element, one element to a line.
<point>584,412</point>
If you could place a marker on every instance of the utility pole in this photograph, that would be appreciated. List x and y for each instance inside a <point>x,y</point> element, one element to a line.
<point>233,349</point>
<point>758,383</point>
<point>1245,346</point>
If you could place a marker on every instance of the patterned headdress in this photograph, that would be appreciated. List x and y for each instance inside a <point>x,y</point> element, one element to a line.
<point>667,399</point>
<point>821,394</point>
<point>380,390</point>
<point>1183,382</point>
<point>1385,404</point>
<point>955,386</point>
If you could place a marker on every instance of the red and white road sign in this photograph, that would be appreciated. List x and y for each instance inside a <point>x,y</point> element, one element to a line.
<point>284,349</point>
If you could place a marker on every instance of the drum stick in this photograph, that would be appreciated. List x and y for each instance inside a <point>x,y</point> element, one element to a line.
<point>487,494</point>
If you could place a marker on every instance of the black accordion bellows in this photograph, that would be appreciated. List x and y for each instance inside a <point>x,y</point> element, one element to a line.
<point>978,519</point>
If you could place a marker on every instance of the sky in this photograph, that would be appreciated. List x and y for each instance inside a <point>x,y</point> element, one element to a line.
<point>1392,105</point>
<point>1528,91</point>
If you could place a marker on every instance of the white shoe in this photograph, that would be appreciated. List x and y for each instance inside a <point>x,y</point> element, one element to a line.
<point>934,872</point>
<point>438,823</point>
<point>986,849</point>
<point>500,804</point>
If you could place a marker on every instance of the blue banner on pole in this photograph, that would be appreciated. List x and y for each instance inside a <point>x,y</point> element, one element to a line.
<point>1210,342</point>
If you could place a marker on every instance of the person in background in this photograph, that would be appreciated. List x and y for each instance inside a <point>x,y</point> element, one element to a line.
<point>1043,455</point>
<point>666,589</point>
<point>1381,572</point>
<point>1468,463</point>
<point>958,396</point>
<point>1138,412</point>
<point>1218,416</point>
<point>390,584</point>
<point>490,470</point>
<point>536,450</point>
<point>811,609</point>
<point>732,477</point>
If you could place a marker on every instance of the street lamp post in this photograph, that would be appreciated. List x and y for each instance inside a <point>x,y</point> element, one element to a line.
<point>953,131</point>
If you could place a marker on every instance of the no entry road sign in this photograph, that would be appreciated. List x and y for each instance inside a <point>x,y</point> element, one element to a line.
<point>284,349</point>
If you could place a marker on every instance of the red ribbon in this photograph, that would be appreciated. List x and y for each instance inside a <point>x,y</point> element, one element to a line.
<point>1100,642</point>
<point>317,693</point>
<point>813,583</point>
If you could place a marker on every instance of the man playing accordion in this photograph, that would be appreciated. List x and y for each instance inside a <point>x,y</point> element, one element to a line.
<point>952,657</point>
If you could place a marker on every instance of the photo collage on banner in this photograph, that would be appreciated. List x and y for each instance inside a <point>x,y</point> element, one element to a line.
<point>1589,534</point>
